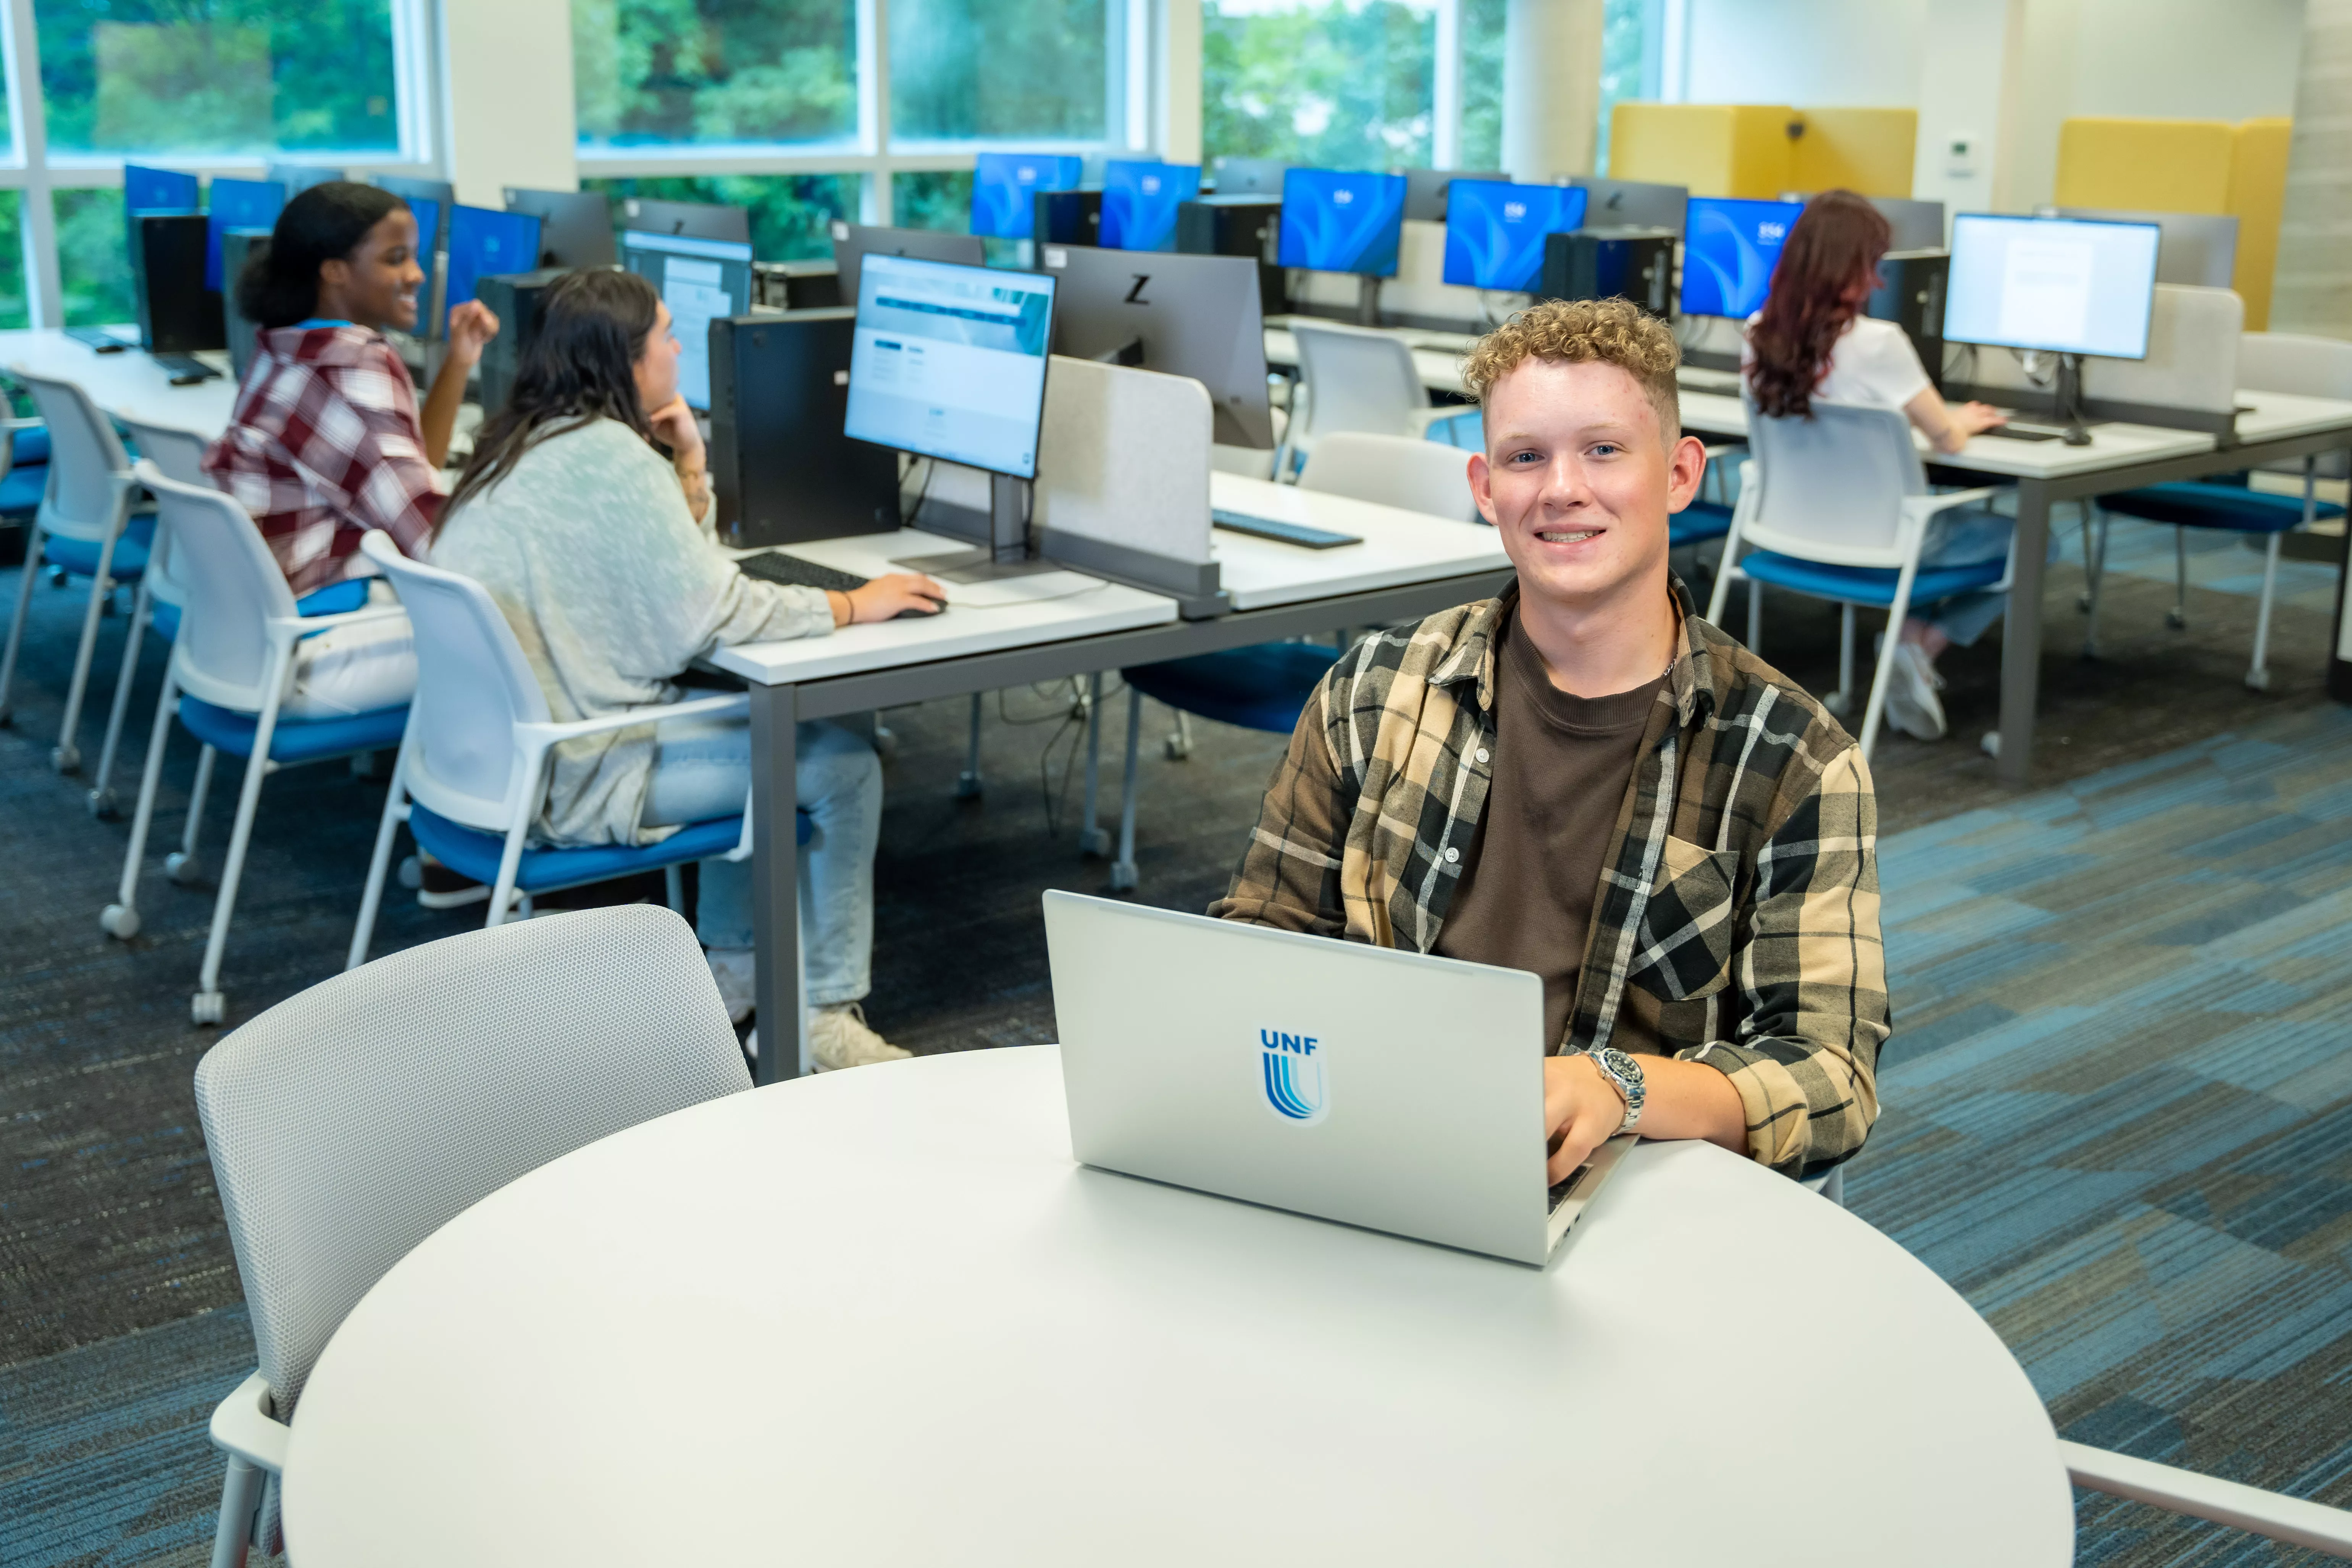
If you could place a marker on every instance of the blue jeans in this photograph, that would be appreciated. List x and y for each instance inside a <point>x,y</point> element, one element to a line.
<point>702,769</point>
<point>1965,536</point>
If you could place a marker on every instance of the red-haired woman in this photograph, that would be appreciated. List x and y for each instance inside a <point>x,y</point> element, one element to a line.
<point>1810,340</point>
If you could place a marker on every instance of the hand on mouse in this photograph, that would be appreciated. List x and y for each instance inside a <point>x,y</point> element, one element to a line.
<point>885,597</point>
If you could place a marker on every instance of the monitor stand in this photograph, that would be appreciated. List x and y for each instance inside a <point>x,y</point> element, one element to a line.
<point>2070,400</point>
<point>1368,301</point>
<point>1011,550</point>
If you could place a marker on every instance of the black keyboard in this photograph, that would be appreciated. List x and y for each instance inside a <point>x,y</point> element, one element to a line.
<point>1296,534</point>
<point>185,370</point>
<point>2014,432</point>
<point>793,571</point>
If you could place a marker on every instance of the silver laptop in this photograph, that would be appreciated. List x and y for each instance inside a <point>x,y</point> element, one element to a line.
<point>1386,1089</point>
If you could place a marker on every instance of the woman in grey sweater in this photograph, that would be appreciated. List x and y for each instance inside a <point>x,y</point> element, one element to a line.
<point>600,552</point>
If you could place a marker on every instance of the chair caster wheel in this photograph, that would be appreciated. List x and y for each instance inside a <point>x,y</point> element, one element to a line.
<point>886,742</point>
<point>1122,875</point>
<point>102,805</point>
<point>207,1007</point>
<point>967,786</point>
<point>1990,744</point>
<point>2083,603</point>
<point>119,921</point>
<point>2176,620</point>
<point>65,758</point>
<point>1838,703</point>
<point>1179,748</point>
<point>182,868</point>
<point>56,576</point>
<point>412,873</point>
<point>2258,679</point>
<point>1095,842</point>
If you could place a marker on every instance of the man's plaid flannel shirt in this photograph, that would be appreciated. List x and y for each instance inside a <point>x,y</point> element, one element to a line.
<point>325,444</point>
<point>1737,917</point>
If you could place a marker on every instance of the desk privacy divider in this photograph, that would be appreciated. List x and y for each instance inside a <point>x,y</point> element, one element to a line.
<point>2187,381</point>
<point>1123,479</point>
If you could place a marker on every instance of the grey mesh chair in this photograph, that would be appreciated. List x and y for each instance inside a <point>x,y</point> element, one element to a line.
<point>1351,378</point>
<point>1393,470</point>
<point>180,453</point>
<point>348,1124</point>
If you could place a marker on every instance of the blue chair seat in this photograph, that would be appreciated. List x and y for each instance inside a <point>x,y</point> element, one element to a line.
<point>2203,504</point>
<point>79,556</point>
<point>294,739</point>
<point>1866,585</point>
<point>32,448</point>
<point>1260,688</point>
<point>21,492</point>
<point>473,853</point>
<point>1696,523</point>
<point>167,620</point>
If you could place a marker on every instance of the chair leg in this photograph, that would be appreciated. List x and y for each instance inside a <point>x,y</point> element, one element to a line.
<point>120,918</point>
<point>1180,742</point>
<point>241,1495</point>
<point>1093,838</point>
<point>1122,869</point>
<point>1841,700</point>
<point>101,797</point>
<point>395,811</point>
<point>182,865</point>
<point>17,626</point>
<point>966,785</point>
<point>2258,674</point>
<point>2094,574</point>
<point>1756,617</point>
<point>2179,618</point>
<point>1876,709</point>
<point>66,757</point>
<point>208,1005</point>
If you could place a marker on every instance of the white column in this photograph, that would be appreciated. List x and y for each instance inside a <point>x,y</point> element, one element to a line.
<point>36,217</point>
<point>507,113</point>
<point>1551,87</point>
<point>2313,291</point>
<point>1966,50</point>
<point>1177,128</point>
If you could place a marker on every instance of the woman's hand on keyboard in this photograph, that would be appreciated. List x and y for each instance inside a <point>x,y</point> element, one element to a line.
<point>887,597</point>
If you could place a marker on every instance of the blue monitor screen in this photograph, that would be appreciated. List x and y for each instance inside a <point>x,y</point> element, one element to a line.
<point>1140,202</point>
<point>1729,248</point>
<point>238,204</point>
<point>949,362</point>
<point>1336,222</point>
<point>1494,230</point>
<point>158,190</point>
<point>485,244</point>
<point>1003,184</point>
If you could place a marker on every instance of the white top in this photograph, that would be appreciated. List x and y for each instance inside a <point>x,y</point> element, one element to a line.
<point>1872,362</point>
<point>880,1318</point>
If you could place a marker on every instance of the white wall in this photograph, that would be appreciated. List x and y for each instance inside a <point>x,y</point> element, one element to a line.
<point>1824,54</point>
<point>506,84</point>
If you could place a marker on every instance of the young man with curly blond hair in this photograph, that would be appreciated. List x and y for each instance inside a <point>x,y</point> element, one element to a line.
<point>1584,780</point>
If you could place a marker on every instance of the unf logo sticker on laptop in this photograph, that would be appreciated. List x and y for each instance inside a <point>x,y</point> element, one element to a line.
<point>1291,1069</point>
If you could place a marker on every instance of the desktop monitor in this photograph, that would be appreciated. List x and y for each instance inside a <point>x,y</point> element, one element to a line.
<point>238,204</point>
<point>1250,176</point>
<point>484,244</point>
<point>701,281</point>
<point>1425,190</point>
<point>1494,231</point>
<point>949,362</point>
<point>1911,225</point>
<point>852,243</point>
<point>158,190</point>
<point>2197,248</point>
<point>1004,186</point>
<point>1633,203</point>
<point>1336,221</point>
<point>2059,285</point>
<point>1194,316</point>
<point>1729,248</point>
<point>575,228</point>
<point>300,177</point>
<point>1140,202</point>
<point>698,220</point>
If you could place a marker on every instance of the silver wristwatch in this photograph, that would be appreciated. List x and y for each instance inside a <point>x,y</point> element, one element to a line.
<point>1625,1073</point>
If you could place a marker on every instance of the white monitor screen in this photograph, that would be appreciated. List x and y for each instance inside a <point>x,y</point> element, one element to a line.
<point>949,362</point>
<point>701,281</point>
<point>2058,284</point>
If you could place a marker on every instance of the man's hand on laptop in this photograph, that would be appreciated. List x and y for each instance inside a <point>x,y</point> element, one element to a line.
<point>1584,1109</point>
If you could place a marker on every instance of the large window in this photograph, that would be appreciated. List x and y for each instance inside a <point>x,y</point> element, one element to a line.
<point>714,72</point>
<point>992,70</point>
<point>1632,34</point>
<point>239,77</point>
<point>1347,84</point>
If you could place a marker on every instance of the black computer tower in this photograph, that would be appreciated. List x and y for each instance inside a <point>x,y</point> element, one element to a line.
<point>795,285</point>
<point>515,299</point>
<point>178,314</point>
<point>1637,264</point>
<point>238,247</point>
<point>782,470</point>
<point>1068,217</point>
<point>1247,227</point>
<point>1911,295</point>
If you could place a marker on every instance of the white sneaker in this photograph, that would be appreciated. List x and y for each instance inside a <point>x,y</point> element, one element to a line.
<point>1912,705</point>
<point>737,971</point>
<point>838,1037</point>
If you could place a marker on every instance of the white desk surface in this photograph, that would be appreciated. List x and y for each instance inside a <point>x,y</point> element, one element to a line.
<point>965,1349</point>
<point>979,618</point>
<point>1399,546</point>
<point>128,384</point>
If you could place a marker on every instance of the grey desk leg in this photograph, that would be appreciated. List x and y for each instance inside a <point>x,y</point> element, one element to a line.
<point>775,881</point>
<point>2339,658</point>
<point>2021,634</point>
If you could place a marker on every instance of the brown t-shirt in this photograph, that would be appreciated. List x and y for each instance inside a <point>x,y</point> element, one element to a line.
<point>1559,773</point>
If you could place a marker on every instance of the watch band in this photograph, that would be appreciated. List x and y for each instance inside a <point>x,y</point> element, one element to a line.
<point>1625,1073</point>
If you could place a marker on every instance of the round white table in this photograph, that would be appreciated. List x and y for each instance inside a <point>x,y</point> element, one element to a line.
<point>880,1316</point>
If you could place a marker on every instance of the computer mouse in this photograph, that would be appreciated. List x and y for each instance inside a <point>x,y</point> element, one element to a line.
<point>919,615</point>
<point>2077,437</point>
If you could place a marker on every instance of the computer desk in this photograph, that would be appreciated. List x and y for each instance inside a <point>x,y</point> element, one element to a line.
<point>2120,457</point>
<point>128,384</point>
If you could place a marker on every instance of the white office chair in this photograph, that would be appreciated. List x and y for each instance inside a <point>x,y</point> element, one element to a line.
<point>180,455</point>
<point>232,669</point>
<point>1351,378</point>
<point>84,526</point>
<point>350,1122</point>
<point>1393,470</point>
<point>1835,505</point>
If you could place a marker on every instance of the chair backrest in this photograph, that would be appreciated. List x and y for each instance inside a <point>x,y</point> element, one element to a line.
<point>1394,471</point>
<point>1356,380</point>
<point>351,1120</point>
<point>2306,366</point>
<point>179,453</point>
<point>86,457</point>
<point>1830,486</point>
<point>473,686</point>
<point>233,584</point>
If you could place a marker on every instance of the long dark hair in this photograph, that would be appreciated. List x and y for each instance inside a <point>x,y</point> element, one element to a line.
<point>592,328</point>
<point>280,286</point>
<point>1835,244</point>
